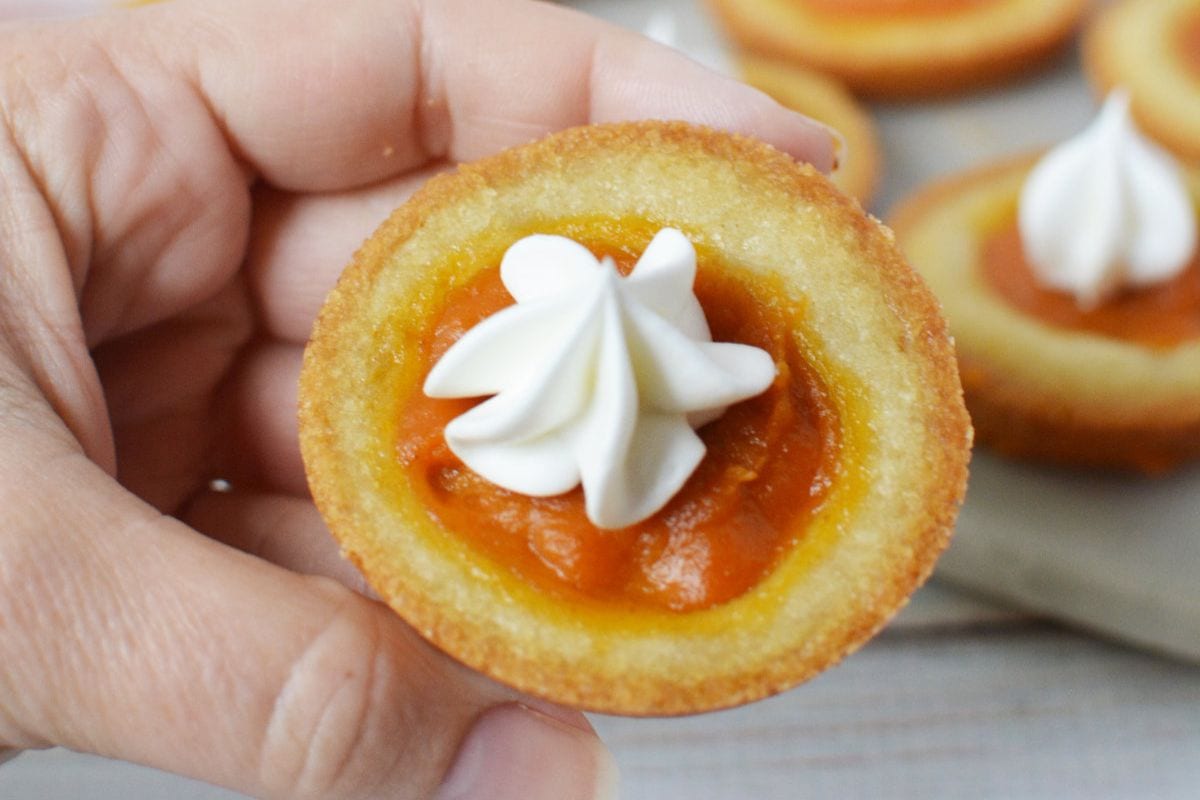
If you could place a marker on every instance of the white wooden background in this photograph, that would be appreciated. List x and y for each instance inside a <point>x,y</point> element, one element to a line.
<point>959,697</point>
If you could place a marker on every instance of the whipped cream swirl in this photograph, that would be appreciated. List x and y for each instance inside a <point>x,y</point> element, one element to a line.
<point>597,379</point>
<point>1106,210</point>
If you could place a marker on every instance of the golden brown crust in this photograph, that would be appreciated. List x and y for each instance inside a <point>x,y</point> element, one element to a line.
<point>1134,44</point>
<point>906,56</point>
<point>825,100</point>
<point>1035,391</point>
<point>904,432</point>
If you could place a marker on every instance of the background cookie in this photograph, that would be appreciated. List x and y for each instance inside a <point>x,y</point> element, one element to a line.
<point>1152,48</point>
<point>888,50</point>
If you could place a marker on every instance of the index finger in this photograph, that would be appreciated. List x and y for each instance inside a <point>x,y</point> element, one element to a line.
<point>325,96</point>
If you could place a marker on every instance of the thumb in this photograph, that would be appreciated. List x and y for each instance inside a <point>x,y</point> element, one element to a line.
<point>125,633</point>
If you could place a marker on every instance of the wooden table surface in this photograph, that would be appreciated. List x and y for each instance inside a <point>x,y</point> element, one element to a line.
<point>959,697</point>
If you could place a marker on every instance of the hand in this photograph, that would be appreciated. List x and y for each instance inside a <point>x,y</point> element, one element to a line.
<point>180,186</point>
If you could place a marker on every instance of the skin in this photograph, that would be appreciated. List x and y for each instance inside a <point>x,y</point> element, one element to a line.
<point>181,186</point>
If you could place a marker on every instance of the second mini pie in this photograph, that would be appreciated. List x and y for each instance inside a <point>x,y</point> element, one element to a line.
<point>1108,376</point>
<point>818,504</point>
<point>904,48</point>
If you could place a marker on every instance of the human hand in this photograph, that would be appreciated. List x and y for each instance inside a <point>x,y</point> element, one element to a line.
<point>181,186</point>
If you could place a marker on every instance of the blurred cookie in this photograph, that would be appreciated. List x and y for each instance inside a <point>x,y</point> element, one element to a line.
<point>904,48</point>
<point>1113,383</point>
<point>1152,48</point>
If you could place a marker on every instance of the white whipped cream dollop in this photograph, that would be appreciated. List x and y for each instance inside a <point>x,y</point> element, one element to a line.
<point>597,379</point>
<point>1106,210</point>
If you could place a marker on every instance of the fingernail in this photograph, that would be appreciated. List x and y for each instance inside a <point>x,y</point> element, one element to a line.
<point>516,753</point>
<point>839,145</point>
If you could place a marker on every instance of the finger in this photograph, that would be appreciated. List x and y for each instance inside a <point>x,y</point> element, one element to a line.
<point>159,385</point>
<point>323,96</point>
<point>128,635</point>
<point>286,530</point>
<point>300,243</point>
<point>263,448</point>
<point>151,208</point>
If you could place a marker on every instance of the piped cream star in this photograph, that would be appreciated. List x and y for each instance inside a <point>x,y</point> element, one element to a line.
<point>596,378</point>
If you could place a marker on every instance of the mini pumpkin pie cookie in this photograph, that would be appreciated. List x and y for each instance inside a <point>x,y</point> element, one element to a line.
<point>825,100</point>
<point>642,418</point>
<point>1072,287</point>
<point>1152,48</point>
<point>905,48</point>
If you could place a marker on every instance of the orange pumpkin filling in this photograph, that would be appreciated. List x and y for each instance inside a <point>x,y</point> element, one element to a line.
<point>892,7</point>
<point>1160,316</point>
<point>769,463</point>
<point>1189,43</point>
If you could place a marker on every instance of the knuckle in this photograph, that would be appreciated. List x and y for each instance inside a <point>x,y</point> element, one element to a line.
<point>341,719</point>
